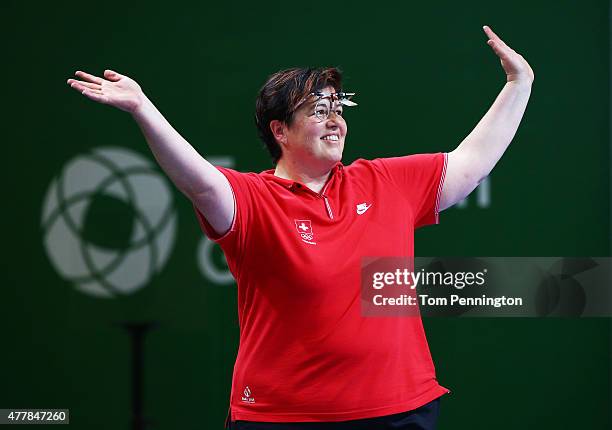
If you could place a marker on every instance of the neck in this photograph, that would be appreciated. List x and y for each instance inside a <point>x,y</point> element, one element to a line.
<point>313,177</point>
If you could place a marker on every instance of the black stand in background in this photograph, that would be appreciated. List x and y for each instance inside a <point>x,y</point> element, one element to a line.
<point>137,332</point>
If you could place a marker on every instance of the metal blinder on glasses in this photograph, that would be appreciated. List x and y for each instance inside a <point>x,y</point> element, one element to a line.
<point>324,102</point>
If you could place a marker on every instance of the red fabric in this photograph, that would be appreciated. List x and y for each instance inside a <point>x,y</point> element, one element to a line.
<point>306,353</point>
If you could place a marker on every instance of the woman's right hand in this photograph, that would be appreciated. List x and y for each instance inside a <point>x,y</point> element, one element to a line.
<point>114,90</point>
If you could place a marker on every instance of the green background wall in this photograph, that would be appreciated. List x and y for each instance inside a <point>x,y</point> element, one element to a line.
<point>424,76</point>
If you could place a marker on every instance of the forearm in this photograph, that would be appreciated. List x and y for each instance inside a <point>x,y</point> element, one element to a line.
<point>485,145</point>
<point>187,169</point>
<point>478,153</point>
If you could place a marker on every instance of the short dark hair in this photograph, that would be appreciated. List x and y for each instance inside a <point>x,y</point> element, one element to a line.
<point>282,92</point>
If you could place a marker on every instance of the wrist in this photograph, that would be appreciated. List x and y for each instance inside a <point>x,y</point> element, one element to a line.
<point>520,83</point>
<point>141,108</point>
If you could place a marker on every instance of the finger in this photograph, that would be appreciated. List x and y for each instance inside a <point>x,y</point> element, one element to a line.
<point>489,32</point>
<point>78,87</point>
<point>500,50</point>
<point>98,97</point>
<point>493,36</point>
<point>88,91</point>
<point>88,77</point>
<point>111,75</point>
<point>82,85</point>
<point>81,88</point>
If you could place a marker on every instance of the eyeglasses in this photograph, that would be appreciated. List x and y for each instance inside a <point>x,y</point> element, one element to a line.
<point>324,102</point>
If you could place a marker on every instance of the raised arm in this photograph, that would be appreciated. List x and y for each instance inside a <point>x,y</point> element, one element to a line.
<point>475,157</point>
<point>195,177</point>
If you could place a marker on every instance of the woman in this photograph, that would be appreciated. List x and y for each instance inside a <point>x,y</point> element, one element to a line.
<point>294,238</point>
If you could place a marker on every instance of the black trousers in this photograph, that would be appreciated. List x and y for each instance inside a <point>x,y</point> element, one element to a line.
<point>423,418</point>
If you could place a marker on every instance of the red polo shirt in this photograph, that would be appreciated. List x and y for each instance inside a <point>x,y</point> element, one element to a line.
<point>306,353</point>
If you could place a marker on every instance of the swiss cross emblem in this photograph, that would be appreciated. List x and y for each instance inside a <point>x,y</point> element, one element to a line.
<point>304,228</point>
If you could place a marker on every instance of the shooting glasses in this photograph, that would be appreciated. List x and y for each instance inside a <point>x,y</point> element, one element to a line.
<point>323,103</point>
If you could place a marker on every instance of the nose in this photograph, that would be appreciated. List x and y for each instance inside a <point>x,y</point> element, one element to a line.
<point>332,120</point>
<point>331,124</point>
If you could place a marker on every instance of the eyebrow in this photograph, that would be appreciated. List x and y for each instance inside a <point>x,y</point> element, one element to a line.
<point>336,104</point>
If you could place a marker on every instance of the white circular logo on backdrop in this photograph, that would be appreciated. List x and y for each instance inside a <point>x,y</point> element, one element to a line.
<point>108,222</point>
<point>215,269</point>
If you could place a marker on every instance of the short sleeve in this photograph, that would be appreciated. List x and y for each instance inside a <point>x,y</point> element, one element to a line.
<point>419,179</point>
<point>242,185</point>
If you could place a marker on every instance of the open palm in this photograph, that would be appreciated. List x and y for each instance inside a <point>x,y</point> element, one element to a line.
<point>514,64</point>
<point>114,89</point>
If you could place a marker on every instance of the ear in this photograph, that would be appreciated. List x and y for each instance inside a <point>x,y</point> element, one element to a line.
<point>279,131</point>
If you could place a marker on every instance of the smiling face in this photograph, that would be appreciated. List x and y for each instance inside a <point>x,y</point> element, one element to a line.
<point>316,142</point>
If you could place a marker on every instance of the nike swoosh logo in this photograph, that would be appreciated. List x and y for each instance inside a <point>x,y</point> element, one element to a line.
<point>362,208</point>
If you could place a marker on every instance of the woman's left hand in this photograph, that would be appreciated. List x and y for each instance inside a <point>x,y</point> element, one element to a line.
<point>516,67</point>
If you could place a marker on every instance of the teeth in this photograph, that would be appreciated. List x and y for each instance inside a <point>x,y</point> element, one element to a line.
<point>331,137</point>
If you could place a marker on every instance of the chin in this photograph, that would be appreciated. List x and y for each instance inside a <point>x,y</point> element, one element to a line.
<point>330,155</point>
<point>329,160</point>
<point>336,157</point>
